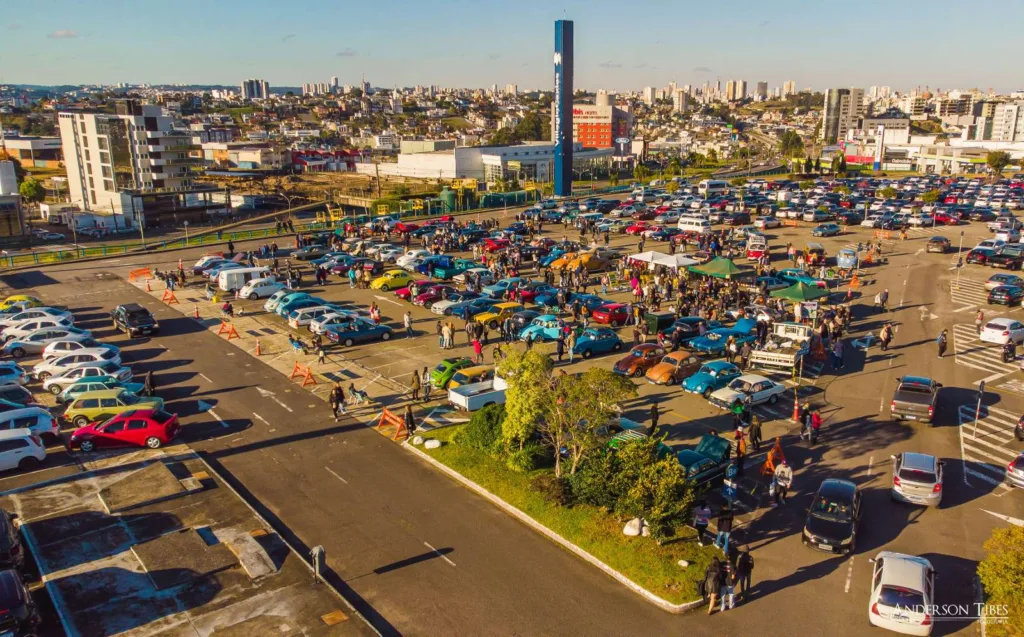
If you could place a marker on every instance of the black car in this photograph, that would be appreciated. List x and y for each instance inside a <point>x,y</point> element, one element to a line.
<point>12,555</point>
<point>474,236</point>
<point>736,218</point>
<point>1010,257</point>
<point>133,320</point>
<point>18,615</point>
<point>850,218</point>
<point>832,518</point>
<point>1006,295</point>
<point>979,255</point>
<point>606,206</point>
<point>665,234</point>
<point>689,329</point>
<point>981,215</point>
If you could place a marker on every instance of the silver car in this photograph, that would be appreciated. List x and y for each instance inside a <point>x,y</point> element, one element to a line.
<point>917,478</point>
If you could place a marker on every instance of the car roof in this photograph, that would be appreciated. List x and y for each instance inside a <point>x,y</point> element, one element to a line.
<point>1001,320</point>
<point>834,487</point>
<point>903,570</point>
<point>719,364</point>
<point>14,434</point>
<point>647,346</point>
<point>102,393</point>
<point>752,378</point>
<point>915,380</point>
<point>920,461</point>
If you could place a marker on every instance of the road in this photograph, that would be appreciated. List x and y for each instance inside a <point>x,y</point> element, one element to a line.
<point>428,557</point>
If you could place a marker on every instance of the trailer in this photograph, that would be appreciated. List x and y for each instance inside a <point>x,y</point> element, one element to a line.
<point>785,347</point>
<point>476,396</point>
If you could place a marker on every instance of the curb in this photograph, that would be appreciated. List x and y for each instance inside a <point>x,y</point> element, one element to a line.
<point>663,604</point>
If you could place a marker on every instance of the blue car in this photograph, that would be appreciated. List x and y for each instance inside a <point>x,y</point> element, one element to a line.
<point>545,327</point>
<point>427,265</point>
<point>846,259</point>
<point>711,377</point>
<point>330,256</point>
<point>475,306</point>
<point>600,340</point>
<point>286,308</point>
<point>496,290</point>
<point>546,260</point>
<point>796,275</point>
<point>282,296</point>
<point>359,331</point>
<point>713,342</point>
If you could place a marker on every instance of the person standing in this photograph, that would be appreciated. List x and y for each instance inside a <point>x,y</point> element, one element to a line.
<point>425,381</point>
<point>321,355</point>
<point>415,386</point>
<point>407,321</point>
<point>560,346</point>
<point>713,582</point>
<point>883,300</point>
<point>782,480</point>
<point>755,432</point>
<point>727,593</point>
<point>410,423</point>
<point>337,400</point>
<point>701,518</point>
<point>725,518</point>
<point>478,351</point>
<point>885,336</point>
<point>571,344</point>
<point>979,320</point>
<point>744,572</point>
<point>837,353</point>
<point>941,342</point>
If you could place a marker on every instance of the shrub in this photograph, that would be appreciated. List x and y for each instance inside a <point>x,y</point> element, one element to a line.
<point>525,459</point>
<point>594,484</point>
<point>553,489</point>
<point>483,431</point>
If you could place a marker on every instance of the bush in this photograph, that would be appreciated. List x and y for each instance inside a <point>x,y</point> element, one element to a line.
<point>526,459</point>
<point>594,483</point>
<point>553,489</point>
<point>1001,573</point>
<point>483,431</point>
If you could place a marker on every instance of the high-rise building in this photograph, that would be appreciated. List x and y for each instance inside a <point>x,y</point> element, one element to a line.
<point>334,83</point>
<point>843,107</point>
<point>680,101</point>
<point>762,91</point>
<point>364,86</point>
<point>561,108</point>
<point>648,95</point>
<point>741,90</point>
<point>255,90</point>
<point>511,89</point>
<point>1008,122</point>
<point>788,88</point>
<point>112,160</point>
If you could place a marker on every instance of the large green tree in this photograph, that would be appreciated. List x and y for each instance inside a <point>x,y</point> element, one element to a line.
<point>998,160</point>
<point>1001,574</point>
<point>32,190</point>
<point>525,372</point>
<point>930,196</point>
<point>887,193</point>
<point>790,144</point>
<point>652,486</point>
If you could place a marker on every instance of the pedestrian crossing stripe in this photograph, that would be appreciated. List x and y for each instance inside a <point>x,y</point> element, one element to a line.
<point>985,451</point>
<point>970,351</point>
<point>968,293</point>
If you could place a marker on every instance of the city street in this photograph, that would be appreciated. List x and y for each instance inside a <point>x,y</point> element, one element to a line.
<point>419,554</point>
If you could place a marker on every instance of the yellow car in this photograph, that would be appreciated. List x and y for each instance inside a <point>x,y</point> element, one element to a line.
<point>107,403</point>
<point>562,261</point>
<point>590,261</point>
<point>392,280</point>
<point>498,313</point>
<point>471,375</point>
<point>30,301</point>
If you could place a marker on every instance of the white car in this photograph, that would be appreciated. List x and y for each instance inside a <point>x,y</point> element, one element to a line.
<point>376,249</point>
<point>921,221</point>
<point>25,328</point>
<point>305,316</point>
<point>36,313</point>
<point>767,222</point>
<point>486,278</point>
<point>902,593</point>
<point>1002,330</point>
<point>667,216</point>
<point>991,244</point>
<point>35,419</point>
<point>872,221</point>
<point>38,340</point>
<point>321,324</point>
<point>13,375</point>
<point>389,255</point>
<point>57,384</point>
<point>60,364</point>
<point>20,449</point>
<point>60,348</point>
<point>749,388</point>
<point>1008,235</point>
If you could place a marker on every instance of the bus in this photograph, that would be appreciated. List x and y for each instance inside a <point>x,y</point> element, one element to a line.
<point>712,187</point>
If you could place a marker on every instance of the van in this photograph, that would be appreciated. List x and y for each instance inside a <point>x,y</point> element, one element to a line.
<point>260,288</point>
<point>591,216</point>
<point>235,279</point>
<point>711,187</point>
<point>36,419</point>
<point>20,449</point>
<point>471,375</point>
<point>694,224</point>
<point>815,254</point>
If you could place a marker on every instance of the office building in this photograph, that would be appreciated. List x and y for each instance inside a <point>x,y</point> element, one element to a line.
<point>741,90</point>
<point>843,109</point>
<point>648,95</point>
<point>762,91</point>
<point>1008,122</point>
<point>255,90</point>
<point>788,88</point>
<point>132,165</point>
<point>735,90</point>
<point>913,106</point>
<point>511,89</point>
<point>334,83</point>
<point>680,101</point>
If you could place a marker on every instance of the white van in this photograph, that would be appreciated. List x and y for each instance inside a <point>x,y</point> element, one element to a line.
<point>694,224</point>
<point>236,278</point>
<point>20,449</point>
<point>260,288</point>
<point>36,419</point>
<point>711,187</point>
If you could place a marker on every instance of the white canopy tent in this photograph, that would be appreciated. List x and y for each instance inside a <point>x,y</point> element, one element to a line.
<point>647,257</point>
<point>666,260</point>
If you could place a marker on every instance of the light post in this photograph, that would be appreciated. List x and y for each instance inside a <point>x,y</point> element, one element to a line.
<point>959,259</point>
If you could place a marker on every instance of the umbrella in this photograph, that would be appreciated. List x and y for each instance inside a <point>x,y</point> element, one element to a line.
<point>721,268</point>
<point>800,292</point>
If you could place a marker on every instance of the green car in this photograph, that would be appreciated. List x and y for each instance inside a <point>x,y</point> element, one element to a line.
<point>97,383</point>
<point>441,375</point>
<point>454,268</point>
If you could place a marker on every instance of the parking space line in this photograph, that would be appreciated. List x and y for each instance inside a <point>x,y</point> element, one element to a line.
<point>336,475</point>
<point>439,554</point>
<point>849,574</point>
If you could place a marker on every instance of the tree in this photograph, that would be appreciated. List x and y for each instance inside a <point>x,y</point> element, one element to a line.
<point>533,127</point>
<point>835,164</point>
<point>641,172</point>
<point>613,179</point>
<point>32,190</point>
<point>817,165</point>
<point>930,196</point>
<point>808,165</point>
<point>997,160</point>
<point>843,190</point>
<point>806,184</point>
<point>887,193</point>
<point>842,162</point>
<point>712,156</point>
<point>524,405</point>
<point>738,181</point>
<point>652,486</point>
<point>503,137</point>
<point>790,144</point>
<point>578,411</point>
<point>674,166</point>
<point>1001,573</point>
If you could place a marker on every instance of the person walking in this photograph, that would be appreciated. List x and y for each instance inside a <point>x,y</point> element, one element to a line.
<point>560,347</point>
<point>885,336</point>
<point>337,400</point>
<point>744,573</point>
<point>727,594</point>
<point>407,321</point>
<point>654,419</point>
<point>571,344</point>
<point>782,480</point>
<point>837,353</point>
<point>701,518</point>
<point>942,342</point>
<point>425,381</point>
<point>321,355</point>
<point>979,320</point>
<point>415,386</point>
<point>755,432</point>
<point>883,300</point>
<point>724,527</point>
<point>713,583</point>
<point>478,351</point>
<point>410,423</point>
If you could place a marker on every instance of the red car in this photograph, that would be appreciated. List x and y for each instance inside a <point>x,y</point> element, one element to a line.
<point>947,219</point>
<point>613,314</point>
<point>414,289</point>
<point>493,245</point>
<point>135,428</point>
<point>637,228</point>
<point>645,215</point>
<point>527,293</point>
<point>433,295</point>
<point>401,227</point>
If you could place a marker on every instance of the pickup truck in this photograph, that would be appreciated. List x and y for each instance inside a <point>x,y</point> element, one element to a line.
<point>784,348</point>
<point>478,395</point>
<point>705,464</point>
<point>914,399</point>
<point>1003,223</point>
<point>449,268</point>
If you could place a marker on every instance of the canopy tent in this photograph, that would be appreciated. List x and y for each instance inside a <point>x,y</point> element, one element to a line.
<point>646,257</point>
<point>800,292</point>
<point>673,260</point>
<point>721,268</point>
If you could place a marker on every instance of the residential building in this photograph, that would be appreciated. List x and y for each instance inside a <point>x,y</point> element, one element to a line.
<point>1008,122</point>
<point>42,152</point>
<point>843,108</point>
<point>254,90</point>
<point>913,106</point>
<point>788,88</point>
<point>680,101</point>
<point>730,91</point>
<point>12,219</point>
<point>509,120</point>
<point>648,95</point>
<point>511,90</point>
<point>761,93</point>
<point>741,90</point>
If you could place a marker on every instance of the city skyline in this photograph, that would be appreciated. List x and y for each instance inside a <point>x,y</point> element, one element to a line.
<point>234,41</point>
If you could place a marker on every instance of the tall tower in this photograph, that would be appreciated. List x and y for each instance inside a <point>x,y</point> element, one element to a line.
<point>562,108</point>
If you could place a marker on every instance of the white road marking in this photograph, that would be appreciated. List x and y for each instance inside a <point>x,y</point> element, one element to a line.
<point>871,461</point>
<point>219,419</point>
<point>266,393</point>
<point>849,575</point>
<point>1005,518</point>
<point>439,554</point>
<point>386,299</point>
<point>205,378</point>
<point>260,418</point>
<point>336,475</point>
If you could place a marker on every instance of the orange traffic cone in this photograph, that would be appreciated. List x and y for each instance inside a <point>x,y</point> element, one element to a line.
<point>148,288</point>
<point>258,347</point>
<point>195,311</point>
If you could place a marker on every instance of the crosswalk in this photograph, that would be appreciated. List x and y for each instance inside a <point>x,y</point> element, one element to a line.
<point>988,449</point>
<point>967,294</point>
<point>971,352</point>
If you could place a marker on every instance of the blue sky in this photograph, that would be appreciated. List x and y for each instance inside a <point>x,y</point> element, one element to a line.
<point>619,44</point>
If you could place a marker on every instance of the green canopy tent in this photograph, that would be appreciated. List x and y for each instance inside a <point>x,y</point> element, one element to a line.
<point>800,292</point>
<point>721,268</point>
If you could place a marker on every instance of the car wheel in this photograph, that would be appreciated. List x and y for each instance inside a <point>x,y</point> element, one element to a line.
<point>385,288</point>
<point>586,354</point>
<point>349,342</point>
<point>493,325</point>
<point>87,445</point>
<point>774,398</point>
<point>80,421</point>
<point>27,464</point>
<point>153,442</point>
<point>385,336</point>
<point>18,352</point>
<point>638,373</point>
<point>254,296</point>
<point>617,347</point>
<point>43,376</point>
<point>706,393</point>
<point>56,390</point>
<point>447,311</point>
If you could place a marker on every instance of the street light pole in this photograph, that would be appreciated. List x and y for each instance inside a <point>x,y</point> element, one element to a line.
<point>959,259</point>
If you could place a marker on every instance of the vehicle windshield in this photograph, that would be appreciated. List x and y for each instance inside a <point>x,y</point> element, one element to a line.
<point>739,385</point>
<point>917,475</point>
<point>831,509</point>
<point>710,371</point>
<point>893,596</point>
<point>637,353</point>
<point>672,360</point>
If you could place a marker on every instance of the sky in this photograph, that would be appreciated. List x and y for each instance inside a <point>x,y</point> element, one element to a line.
<point>620,45</point>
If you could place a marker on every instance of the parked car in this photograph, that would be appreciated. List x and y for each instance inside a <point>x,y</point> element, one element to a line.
<point>1006,295</point>
<point>58,364</point>
<point>360,331</point>
<point>706,463</point>
<point>36,313</point>
<point>711,377</point>
<point>18,614</point>
<point>60,348</point>
<point>938,244</point>
<point>832,518</point>
<point>20,449</point>
<point>147,427</point>
<point>639,359</point>
<point>673,368</point>
<point>827,230</point>
<point>1001,330</point>
<point>749,389</point>
<point>443,372</point>
<point>600,340</point>
<point>97,383</point>
<point>902,592</point>
<point>134,320</point>
<point>106,403</point>
<point>545,327</point>
<point>917,478</point>
<point>56,384</point>
<point>38,420</point>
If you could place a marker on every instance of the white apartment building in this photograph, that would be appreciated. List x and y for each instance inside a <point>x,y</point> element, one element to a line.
<point>1008,122</point>
<point>254,90</point>
<point>110,158</point>
<point>843,107</point>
